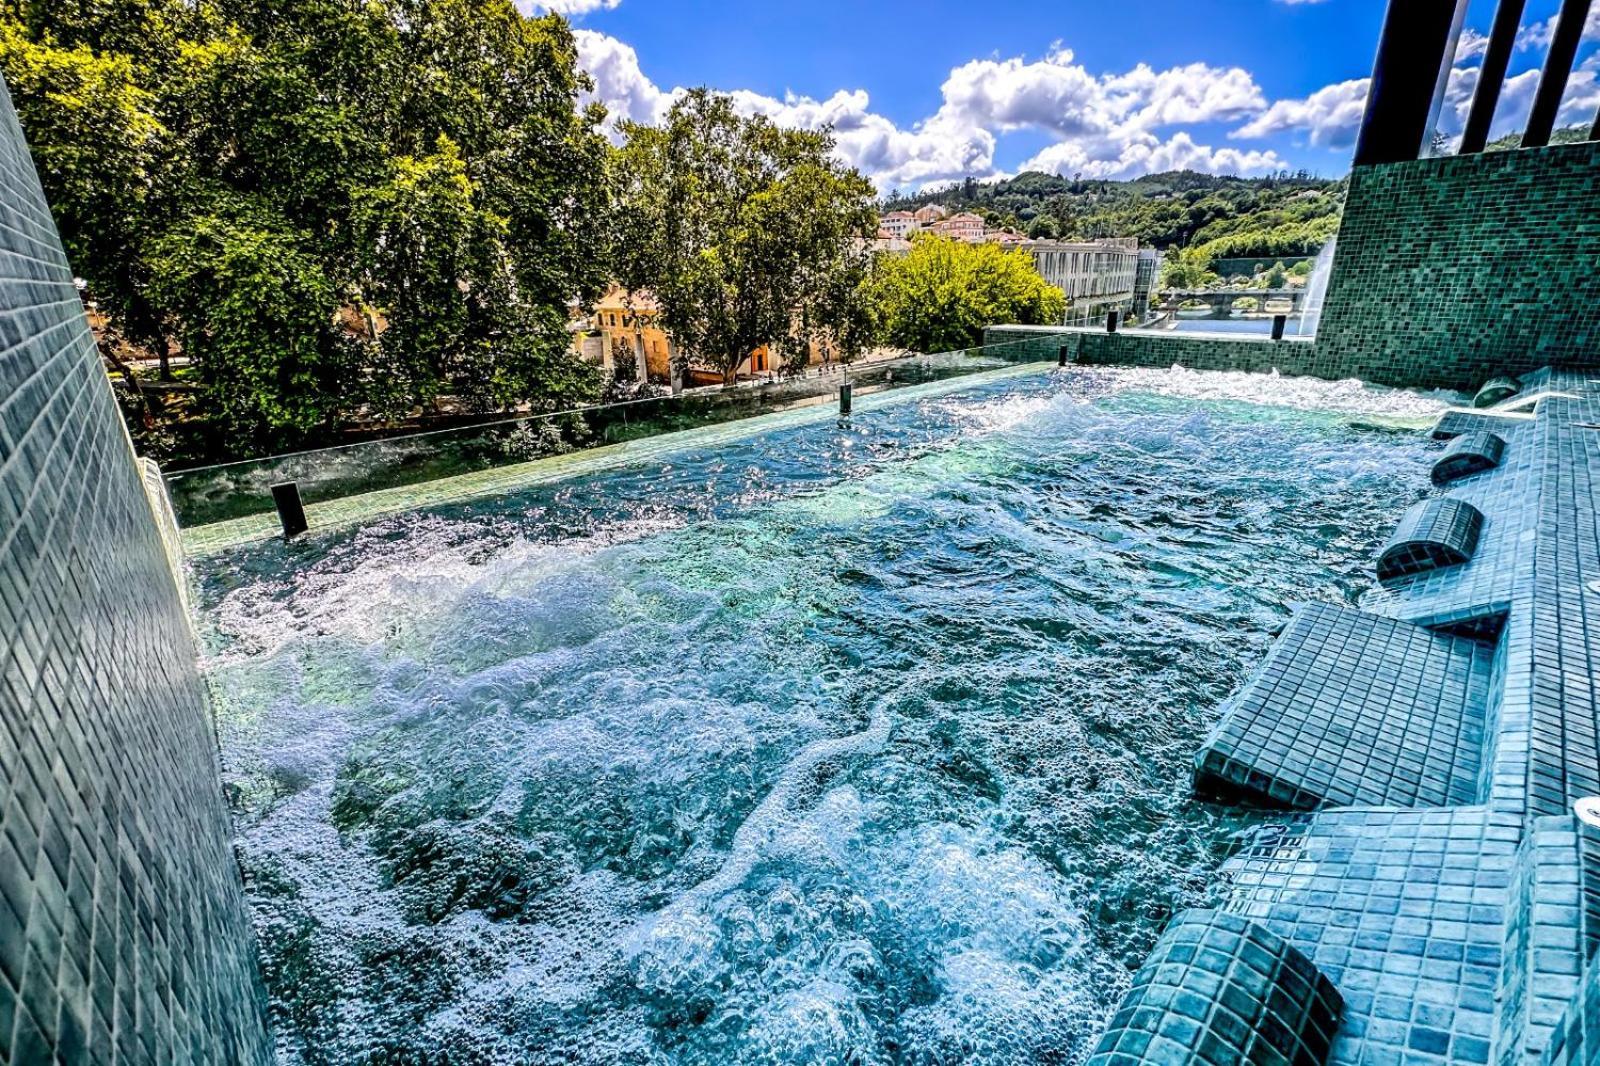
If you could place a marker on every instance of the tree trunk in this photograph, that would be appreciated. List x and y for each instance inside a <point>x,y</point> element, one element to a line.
<point>164,353</point>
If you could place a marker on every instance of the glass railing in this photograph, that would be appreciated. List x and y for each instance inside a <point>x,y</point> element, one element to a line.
<point>209,494</point>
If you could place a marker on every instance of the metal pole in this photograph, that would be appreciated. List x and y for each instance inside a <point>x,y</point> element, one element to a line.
<point>844,399</point>
<point>1553,79</point>
<point>1061,356</point>
<point>1111,321</point>
<point>291,512</point>
<point>1279,324</point>
<point>1492,75</point>
<point>1411,53</point>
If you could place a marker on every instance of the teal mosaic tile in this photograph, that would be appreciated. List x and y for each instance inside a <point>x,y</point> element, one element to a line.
<point>123,932</point>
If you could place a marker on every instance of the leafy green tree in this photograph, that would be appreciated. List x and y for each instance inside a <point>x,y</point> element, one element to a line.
<point>402,196</point>
<point>1189,268</point>
<point>748,234</point>
<point>941,294</point>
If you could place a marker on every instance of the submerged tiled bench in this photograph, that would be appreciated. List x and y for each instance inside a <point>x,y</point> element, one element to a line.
<point>1431,535</point>
<point>1353,708</point>
<point>1218,990</point>
<point>1468,454</point>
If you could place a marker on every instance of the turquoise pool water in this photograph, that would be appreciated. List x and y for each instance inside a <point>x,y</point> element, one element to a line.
<point>841,743</point>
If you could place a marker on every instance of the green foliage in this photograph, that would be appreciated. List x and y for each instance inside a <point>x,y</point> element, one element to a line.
<point>257,312</point>
<point>1566,135</point>
<point>1189,268</point>
<point>1280,215</point>
<point>337,209</point>
<point>941,294</point>
<point>748,234</point>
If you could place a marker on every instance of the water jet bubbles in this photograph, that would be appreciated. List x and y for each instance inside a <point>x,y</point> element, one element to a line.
<point>777,753</point>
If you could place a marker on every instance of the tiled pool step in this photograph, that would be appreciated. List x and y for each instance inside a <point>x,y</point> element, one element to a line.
<point>1353,708</point>
<point>1403,910</point>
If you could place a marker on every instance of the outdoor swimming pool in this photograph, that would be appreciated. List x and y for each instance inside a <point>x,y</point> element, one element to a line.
<point>842,742</point>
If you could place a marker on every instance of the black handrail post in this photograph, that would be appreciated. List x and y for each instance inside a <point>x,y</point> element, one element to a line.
<point>1111,321</point>
<point>1061,356</point>
<point>1279,324</point>
<point>1405,74</point>
<point>1557,66</point>
<point>291,511</point>
<point>1492,75</point>
<point>844,399</point>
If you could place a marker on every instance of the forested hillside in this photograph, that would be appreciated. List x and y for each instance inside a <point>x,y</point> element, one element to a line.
<point>1221,217</point>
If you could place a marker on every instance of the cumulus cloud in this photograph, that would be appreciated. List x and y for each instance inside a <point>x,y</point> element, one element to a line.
<point>1330,117</point>
<point>570,8</point>
<point>1103,124</point>
<point>1147,154</point>
<point>619,83</point>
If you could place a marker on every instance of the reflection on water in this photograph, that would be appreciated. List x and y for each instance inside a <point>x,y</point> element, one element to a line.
<point>859,743</point>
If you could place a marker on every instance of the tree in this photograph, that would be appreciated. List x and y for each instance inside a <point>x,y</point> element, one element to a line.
<point>941,294</point>
<point>338,209</point>
<point>1190,268</point>
<point>748,234</point>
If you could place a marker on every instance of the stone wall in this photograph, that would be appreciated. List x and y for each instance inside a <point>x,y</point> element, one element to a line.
<point>123,930</point>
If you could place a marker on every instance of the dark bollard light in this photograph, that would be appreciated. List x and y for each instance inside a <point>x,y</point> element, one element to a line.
<point>1111,321</point>
<point>1279,323</point>
<point>844,399</point>
<point>1061,357</point>
<point>291,512</point>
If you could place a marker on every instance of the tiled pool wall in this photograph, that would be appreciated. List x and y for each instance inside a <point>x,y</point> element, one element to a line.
<point>123,930</point>
<point>1440,734</point>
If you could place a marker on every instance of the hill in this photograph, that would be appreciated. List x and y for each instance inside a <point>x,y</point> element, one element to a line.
<point>1511,141</point>
<point>1277,216</point>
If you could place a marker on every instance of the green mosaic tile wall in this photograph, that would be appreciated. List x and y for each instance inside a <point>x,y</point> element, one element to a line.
<point>1452,270</point>
<point>123,931</point>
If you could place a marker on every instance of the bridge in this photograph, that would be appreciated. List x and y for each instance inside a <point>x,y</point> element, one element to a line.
<point>1221,301</point>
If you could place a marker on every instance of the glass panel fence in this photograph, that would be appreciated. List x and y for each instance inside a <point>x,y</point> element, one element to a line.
<point>209,494</point>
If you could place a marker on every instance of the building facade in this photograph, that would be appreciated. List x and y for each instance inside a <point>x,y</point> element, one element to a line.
<point>1096,276</point>
<point>898,224</point>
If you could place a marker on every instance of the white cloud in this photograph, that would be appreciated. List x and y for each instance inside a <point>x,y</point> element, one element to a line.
<point>618,81</point>
<point>1104,124</point>
<point>1149,155</point>
<point>1539,34</point>
<point>1331,116</point>
<point>570,8</point>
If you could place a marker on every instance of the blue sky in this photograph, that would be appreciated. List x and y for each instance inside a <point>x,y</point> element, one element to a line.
<point>933,91</point>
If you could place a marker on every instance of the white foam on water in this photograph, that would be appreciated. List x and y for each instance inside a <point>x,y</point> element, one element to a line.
<point>868,767</point>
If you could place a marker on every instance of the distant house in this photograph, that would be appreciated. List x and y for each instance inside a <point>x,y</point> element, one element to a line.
<point>898,224</point>
<point>888,241</point>
<point>963,227</point>
<point>930,214</point>
<point>625,324</point>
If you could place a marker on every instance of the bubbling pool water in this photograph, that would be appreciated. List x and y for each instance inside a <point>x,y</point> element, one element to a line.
<point>856,743</point>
